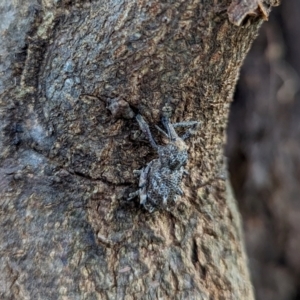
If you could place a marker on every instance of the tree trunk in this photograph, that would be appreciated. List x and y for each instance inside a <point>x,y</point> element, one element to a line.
<point>73,76</point>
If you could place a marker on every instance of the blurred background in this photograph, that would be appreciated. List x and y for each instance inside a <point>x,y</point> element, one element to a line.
<point>264,154</point>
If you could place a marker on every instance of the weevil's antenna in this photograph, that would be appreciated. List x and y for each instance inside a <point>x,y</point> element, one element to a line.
<point>146,130</point>
<point>166,115</point>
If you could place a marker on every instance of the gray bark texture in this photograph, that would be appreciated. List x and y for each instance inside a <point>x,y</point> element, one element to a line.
<point>73,74</point>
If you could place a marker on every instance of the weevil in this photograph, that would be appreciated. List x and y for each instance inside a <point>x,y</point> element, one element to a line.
<point>160,181</point>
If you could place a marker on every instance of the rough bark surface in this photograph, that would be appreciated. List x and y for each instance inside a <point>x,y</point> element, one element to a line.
<point>72,73</point>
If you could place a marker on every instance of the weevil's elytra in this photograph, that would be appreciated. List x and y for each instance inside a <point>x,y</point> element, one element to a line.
<point>160,180</point>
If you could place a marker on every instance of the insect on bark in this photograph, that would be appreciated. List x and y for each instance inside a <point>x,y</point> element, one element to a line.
<point>160,180</point>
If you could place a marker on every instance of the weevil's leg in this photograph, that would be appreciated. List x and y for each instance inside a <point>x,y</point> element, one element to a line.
<point>161,131</point>
<point>151,209</point>
<point>170,129</point>
<point>191,131</point>
<point>146,130</point>
<point>185,124</point>
<point>133,195</point>
<point>186,135</point>
<point>166,115</point>
<point>143,198</point>
<point>138,193</point>
<point>165,122</point>
<point>148,207</point>
<point>137,172</point>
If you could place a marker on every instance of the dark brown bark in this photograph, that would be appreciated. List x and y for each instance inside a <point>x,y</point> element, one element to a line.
<point>75,72</point>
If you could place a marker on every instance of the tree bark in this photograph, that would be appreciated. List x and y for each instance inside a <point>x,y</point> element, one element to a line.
<point>74,73</point>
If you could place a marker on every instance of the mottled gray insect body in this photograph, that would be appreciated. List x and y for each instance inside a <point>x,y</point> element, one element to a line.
<point>160,180</point>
